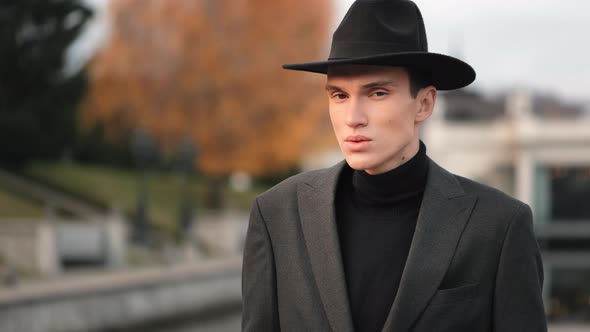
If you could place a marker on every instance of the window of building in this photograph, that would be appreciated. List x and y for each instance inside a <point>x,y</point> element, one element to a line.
<point>569,298</point>
<point>570,193</point>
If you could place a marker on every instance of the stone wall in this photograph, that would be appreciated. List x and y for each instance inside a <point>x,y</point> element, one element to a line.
<point>38,247</point>
<point>28,246</point>
<point>123,299</point>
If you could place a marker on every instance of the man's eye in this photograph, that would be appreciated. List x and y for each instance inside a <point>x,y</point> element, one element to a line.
<point>379,93</point>
<point>339,96</point>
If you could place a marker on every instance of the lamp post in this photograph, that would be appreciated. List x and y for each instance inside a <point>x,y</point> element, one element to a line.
<point>142,148</point>
<point>186,156</point>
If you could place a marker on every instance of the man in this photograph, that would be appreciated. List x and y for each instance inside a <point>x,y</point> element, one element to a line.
<point>388,240</point>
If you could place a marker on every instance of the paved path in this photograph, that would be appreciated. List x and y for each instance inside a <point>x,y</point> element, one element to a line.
<point>228,323</point>
<point>232,323</point>
<point>569,328</point>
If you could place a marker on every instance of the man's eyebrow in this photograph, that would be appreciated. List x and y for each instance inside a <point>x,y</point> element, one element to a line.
<point>379,84</point>
<point>370,85</point>
<point>333,88</point>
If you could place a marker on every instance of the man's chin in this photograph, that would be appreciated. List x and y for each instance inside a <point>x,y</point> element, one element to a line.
<point>357,164</point>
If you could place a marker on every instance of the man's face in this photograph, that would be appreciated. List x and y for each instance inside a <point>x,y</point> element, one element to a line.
<point>374,116</point>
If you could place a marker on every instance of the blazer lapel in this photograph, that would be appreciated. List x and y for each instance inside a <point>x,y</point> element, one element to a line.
<point>318,220</point>
<point>443,215</point>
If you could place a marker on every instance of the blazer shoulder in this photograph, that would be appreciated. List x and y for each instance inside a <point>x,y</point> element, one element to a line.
<point>488,194</point>
<point>287,189</point>
<point>456,185</point>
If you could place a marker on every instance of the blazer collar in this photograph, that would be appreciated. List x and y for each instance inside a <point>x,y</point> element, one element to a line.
<point>442,217</point>
<point>318,221</point>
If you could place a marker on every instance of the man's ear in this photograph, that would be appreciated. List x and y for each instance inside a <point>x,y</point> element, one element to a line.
<point>426,98</point>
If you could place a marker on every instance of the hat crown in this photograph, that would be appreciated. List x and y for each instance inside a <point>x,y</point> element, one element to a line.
<point>389,33</point>
<point>372,27</point>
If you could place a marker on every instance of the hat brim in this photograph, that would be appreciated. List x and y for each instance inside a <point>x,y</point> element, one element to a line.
<point>447,73</point>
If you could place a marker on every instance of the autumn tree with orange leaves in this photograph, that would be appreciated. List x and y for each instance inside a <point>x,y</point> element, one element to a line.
<point>210,71</point>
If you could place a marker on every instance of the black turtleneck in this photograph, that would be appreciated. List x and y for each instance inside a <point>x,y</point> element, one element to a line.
<point>376,220</point>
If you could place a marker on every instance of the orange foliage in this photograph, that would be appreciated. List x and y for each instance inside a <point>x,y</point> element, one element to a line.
<point>211,70</point>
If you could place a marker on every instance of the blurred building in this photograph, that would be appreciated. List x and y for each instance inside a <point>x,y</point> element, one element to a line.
<point>538,150</point>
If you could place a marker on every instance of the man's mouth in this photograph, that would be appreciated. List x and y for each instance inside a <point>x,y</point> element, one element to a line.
<point>356,138</point>
<point>357,143</point>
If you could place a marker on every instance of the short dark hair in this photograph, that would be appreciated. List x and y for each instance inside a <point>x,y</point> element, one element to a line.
<point>419,79</point>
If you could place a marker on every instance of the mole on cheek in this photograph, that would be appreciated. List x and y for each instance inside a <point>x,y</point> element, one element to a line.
<point>403,158</point>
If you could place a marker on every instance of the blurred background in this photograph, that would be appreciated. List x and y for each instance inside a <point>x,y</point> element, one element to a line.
<point>134,135</point>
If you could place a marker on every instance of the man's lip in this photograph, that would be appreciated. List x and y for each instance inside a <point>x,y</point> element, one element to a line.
<point>357,138</point>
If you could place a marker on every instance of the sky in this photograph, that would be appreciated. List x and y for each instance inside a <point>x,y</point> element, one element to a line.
<point>538,45</point>
<point>92,37</point>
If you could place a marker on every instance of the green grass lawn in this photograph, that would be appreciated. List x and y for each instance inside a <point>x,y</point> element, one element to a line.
<point>14,206</point>
<point>112,187</point>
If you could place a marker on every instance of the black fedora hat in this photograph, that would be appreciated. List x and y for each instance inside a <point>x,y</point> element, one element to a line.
<point>390,33</point>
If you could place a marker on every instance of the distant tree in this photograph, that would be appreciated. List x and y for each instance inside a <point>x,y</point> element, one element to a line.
<point>210,71</point>
<point>37,102</point>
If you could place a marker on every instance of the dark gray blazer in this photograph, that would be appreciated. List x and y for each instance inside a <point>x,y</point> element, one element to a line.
<point>473,265</point>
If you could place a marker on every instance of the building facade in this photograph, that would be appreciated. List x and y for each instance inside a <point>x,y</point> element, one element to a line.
<point>538,150</point>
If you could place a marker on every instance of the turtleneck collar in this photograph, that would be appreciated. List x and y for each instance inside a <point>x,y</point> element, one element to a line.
<point>407,180</point>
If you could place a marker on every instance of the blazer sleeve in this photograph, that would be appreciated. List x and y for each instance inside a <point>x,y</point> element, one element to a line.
<point>259,298</point>
<point>518,300</point>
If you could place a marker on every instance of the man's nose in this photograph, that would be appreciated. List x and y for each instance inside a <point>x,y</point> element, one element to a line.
<point>356,114</point>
